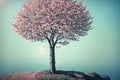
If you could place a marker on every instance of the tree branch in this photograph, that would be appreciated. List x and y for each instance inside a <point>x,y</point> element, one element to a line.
<point>48,40</point>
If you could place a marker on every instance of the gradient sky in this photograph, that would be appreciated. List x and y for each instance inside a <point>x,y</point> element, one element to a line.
<point>99,51</point>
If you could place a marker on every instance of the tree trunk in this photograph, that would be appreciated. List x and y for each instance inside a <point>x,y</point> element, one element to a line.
<point>52,60</point>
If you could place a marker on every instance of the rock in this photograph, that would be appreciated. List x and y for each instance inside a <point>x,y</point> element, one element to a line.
<point>95,76</point>
<point>74,75</point>
<point>104,77</point>
<point>79,75</point>
<point>92,76</point>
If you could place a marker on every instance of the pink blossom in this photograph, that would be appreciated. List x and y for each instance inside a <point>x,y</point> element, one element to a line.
<point>43,17</point>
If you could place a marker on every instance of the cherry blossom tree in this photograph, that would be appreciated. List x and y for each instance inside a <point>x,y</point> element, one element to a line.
<point>54,21</point>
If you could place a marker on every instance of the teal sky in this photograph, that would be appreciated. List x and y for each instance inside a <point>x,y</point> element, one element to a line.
<point>99,51</point>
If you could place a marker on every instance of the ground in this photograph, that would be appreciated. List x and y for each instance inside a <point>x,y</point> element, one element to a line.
<point>60,75</point>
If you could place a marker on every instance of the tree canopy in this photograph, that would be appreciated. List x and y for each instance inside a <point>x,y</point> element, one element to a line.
<point>58,21</point>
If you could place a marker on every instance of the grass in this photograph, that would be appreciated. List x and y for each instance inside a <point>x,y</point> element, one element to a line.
<point>60,75</point>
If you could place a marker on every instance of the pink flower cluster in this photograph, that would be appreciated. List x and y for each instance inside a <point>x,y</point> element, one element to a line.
<point>66,20</point>
<point>40,76</point>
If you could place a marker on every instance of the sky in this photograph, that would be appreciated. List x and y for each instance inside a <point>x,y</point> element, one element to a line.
<point>99,51</point>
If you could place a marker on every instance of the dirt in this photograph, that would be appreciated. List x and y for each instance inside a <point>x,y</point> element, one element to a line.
<point>73,74</point>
